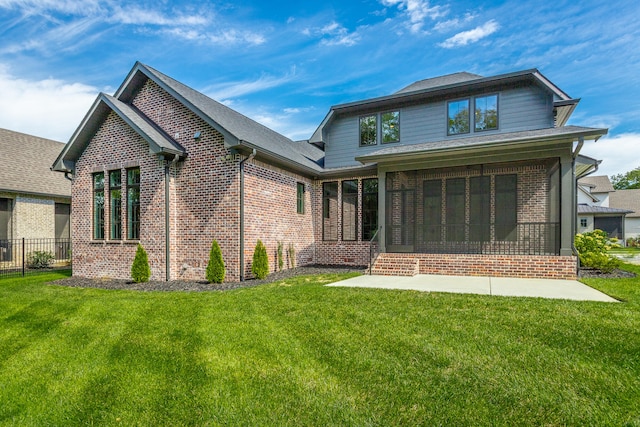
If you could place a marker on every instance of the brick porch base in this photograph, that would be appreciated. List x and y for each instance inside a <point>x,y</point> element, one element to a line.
<point>525,266</point>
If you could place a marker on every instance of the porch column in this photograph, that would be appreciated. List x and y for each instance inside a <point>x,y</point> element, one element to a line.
<point>382,216</point>
<point>568,206</point>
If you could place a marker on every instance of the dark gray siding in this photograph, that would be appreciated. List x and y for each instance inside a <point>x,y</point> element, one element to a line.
<point>524,108</point>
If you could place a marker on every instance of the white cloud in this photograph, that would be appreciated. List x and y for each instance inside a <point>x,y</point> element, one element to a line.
<point>614,151</point>
<point>223,91</point>
<point>48,108</point>
<point>453,24</point>
<point>334,34</point>
<point>417,11</point>
<point>471,36</point>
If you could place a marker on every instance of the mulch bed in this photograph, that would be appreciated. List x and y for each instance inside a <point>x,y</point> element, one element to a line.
<point>592,273</point>
<point>199,286</point>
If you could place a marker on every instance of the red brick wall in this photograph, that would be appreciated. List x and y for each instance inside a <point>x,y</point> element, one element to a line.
<point>525,266</point>
<point>116,146</point>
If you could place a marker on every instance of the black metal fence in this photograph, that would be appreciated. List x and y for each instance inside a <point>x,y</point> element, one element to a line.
<point>19,257</point>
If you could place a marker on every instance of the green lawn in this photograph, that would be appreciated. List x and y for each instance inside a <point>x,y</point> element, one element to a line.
<point>297,353</point>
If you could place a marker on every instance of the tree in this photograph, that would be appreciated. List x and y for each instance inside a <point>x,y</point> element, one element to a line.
<point>215,267</point>
<point>626,181</point>
<point>140,270</point>
<point>260,265</point>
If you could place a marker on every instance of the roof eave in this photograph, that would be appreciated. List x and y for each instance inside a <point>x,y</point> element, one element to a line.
<point>594,134</point>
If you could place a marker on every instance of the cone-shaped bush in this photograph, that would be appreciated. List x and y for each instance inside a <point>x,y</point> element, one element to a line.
<point>140,270</point>
<point>260,266</point>
<point>215,268</point>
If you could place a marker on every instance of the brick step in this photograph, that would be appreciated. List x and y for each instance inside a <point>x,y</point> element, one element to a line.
<point>395,266</point>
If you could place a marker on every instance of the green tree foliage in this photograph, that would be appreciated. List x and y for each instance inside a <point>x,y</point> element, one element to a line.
<point>626,181</point>
<point>592,248</point>
<point>260,266</point>
<point>215,267</point>
<point>140,270</point>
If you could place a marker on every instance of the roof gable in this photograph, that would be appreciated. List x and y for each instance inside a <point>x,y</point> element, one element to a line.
<point>598,183</point>
<point>29,171</point>
<point>626,199</point>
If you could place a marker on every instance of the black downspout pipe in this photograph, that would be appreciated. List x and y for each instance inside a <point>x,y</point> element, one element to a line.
<point>167,221</point>
<point>251,156</point>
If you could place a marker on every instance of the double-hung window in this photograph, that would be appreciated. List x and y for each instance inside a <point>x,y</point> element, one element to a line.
<point>133,204</point>
<point>98,205</point>
<point>330,211</point>
<point>485,115</point>
<point>389,130</point>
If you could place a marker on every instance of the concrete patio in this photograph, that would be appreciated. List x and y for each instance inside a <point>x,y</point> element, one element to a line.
<point>501,286</point>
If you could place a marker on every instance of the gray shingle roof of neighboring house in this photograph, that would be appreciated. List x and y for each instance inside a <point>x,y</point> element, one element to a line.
<point>598,183</point>
<point>400,151</point>
<point>440,81</point>
<point>626,199</point>
<point>588,209</point>
<point>27,169</point>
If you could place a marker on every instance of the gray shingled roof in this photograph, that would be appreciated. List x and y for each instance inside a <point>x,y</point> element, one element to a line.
<point>440,81</point>
<point>602,210</point>
<point>479,141</point>
<point>598,183</point>
<point>27,169</point>
<point>247,131</point>
<point>626,199</point>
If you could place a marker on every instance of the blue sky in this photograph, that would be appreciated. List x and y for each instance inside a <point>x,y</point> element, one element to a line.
<point>284,64</point>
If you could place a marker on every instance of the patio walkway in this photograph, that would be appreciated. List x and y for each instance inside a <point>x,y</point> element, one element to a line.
<point>502,286</point>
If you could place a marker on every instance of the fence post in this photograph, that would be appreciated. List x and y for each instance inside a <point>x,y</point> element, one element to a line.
<point>23,257</point>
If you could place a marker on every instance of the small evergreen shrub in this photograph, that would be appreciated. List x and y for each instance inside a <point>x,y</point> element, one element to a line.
<point>592,249</point>
<point>260,266</point>
<point>140,270</point>
<point>292,255</point>
<point>215,267</point>
<point>280,256</point>
<point>40,259</point>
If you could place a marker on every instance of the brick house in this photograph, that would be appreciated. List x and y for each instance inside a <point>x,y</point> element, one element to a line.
<point>35,202</point>
<point>437,188</point>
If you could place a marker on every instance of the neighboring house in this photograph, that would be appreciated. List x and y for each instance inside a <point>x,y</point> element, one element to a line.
<point>596,210</point>
<point>35,202</point>
<point>460,174</point>
<point>628,199</point>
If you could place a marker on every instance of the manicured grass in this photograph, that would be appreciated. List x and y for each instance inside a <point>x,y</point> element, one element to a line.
<point>297,353</point>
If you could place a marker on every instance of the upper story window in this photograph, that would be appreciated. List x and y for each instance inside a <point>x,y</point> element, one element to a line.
<point>389,128</point>
<point>486,113</point>
<point>368,130</point>
<point>485,116</point>
<point>458,117</point>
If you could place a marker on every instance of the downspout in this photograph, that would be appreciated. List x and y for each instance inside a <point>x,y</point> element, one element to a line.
<point>574,201</point>
<point>251,156</point>
<point>167,219</point>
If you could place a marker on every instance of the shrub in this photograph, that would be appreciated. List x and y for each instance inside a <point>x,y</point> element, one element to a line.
<point>280,256</point>
<point>215,267</point>
<point>592,249</point>
<point>140,270</point>
<point>39,259</point>
<point>260,266</point>
<point>633,242</point>
<point>292,255</point>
